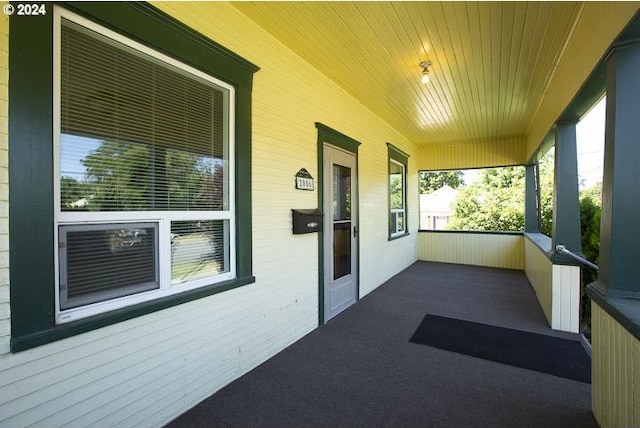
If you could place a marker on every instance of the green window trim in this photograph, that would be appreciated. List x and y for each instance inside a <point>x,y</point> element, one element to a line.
<point>31,210</point>
<point>400,157</point>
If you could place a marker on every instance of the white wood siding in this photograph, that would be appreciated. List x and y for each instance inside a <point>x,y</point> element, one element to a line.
<point>566,298</point>
<point>616,372</point>
<point>146,371</point>
<point>503,251</point>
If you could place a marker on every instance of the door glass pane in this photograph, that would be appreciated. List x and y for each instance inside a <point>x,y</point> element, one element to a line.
<point>341,249</point>
<point>341,193</point>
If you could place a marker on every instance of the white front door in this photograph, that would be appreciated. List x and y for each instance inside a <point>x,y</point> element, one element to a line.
<point>340,231</point>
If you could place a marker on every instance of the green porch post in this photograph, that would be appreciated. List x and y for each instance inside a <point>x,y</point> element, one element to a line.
<point>531,221</point>
<point>620,231</point>
<point>566,203</point>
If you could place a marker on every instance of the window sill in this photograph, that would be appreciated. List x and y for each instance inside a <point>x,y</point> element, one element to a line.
<point>473,232</point>
<point>393,238</point>
<point>626,311</point>
<point>63,331</point>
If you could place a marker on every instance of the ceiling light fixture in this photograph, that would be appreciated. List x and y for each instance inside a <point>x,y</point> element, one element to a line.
<point>425,71</point>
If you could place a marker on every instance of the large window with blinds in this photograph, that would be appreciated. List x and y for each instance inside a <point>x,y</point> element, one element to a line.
<point>143,174</point>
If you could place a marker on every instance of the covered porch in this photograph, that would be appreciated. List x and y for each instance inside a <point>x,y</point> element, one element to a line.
<point>507,82</point>
<point>361,370</point>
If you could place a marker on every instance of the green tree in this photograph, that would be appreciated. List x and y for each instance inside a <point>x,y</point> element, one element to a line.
<point>118,173</point>
<point>396,182</point>
<point>547,166</point>
<point>430,181</point>
<point>590,210</point>
<point>71,192</point>
<point>124,176</point>
<point>495,202</point>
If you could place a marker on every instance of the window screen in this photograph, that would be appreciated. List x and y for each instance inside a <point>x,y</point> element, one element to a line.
<point>106,261</point>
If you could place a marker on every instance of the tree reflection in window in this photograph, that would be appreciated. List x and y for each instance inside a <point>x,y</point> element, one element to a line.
<point>126,176</point>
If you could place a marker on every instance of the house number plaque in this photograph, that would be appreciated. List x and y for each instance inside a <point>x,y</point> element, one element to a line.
<point>304,180</point>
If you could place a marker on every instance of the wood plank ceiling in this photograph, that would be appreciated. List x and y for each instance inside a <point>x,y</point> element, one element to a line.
<point>491,61</point>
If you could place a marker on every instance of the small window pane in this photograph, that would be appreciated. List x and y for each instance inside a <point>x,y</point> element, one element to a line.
<point>199,249</point>
<point>102,262</point>
<point>400,222</point>
<point>396,181</point>
<point>396,198</point>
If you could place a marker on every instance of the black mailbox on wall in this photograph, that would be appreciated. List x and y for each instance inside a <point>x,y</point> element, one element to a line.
<point>306,221</point>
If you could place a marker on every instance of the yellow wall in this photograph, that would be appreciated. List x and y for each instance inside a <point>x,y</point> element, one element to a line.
<point>616,372</point>
<point>502,251</point>
<point>472,154</point>
<point>5,326</point>
<point>147,370</point>
<point>539,270</point>
<point>597,27</point>
<point>289,97</point>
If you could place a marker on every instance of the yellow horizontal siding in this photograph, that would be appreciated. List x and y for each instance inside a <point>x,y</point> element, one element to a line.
<point>5,325</point>
<point>616,372</point>
<point>146,371</point>
<point>503,251</point>
<point>472,154</point>
<point>539,270</point>
<point>599,24</point>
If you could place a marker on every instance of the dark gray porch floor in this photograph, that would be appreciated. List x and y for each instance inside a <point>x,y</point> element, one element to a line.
<point>360,370</point>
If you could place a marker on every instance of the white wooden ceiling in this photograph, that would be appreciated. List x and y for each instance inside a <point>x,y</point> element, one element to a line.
<point>491,61</point>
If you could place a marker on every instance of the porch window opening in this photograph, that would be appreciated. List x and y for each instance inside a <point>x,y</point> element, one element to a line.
<point>487,199</point>
<point>144,189</point>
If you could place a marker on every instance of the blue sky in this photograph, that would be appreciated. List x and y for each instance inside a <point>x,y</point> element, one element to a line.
<point>590,136</point>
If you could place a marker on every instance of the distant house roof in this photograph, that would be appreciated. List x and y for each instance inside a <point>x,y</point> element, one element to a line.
<point>438,202</point>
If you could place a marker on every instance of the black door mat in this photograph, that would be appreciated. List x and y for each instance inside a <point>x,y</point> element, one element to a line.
<point>546,354</point>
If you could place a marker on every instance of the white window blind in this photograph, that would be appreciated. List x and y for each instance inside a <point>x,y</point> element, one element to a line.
<point>153,135</point>
<point>143,174</point>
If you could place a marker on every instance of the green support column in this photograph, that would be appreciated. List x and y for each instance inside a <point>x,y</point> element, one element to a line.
<point>620,228</point>
<point>531,222</point>
<point>566,203</point>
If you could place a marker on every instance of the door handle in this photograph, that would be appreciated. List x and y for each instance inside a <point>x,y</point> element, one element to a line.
<point>355,231</point>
